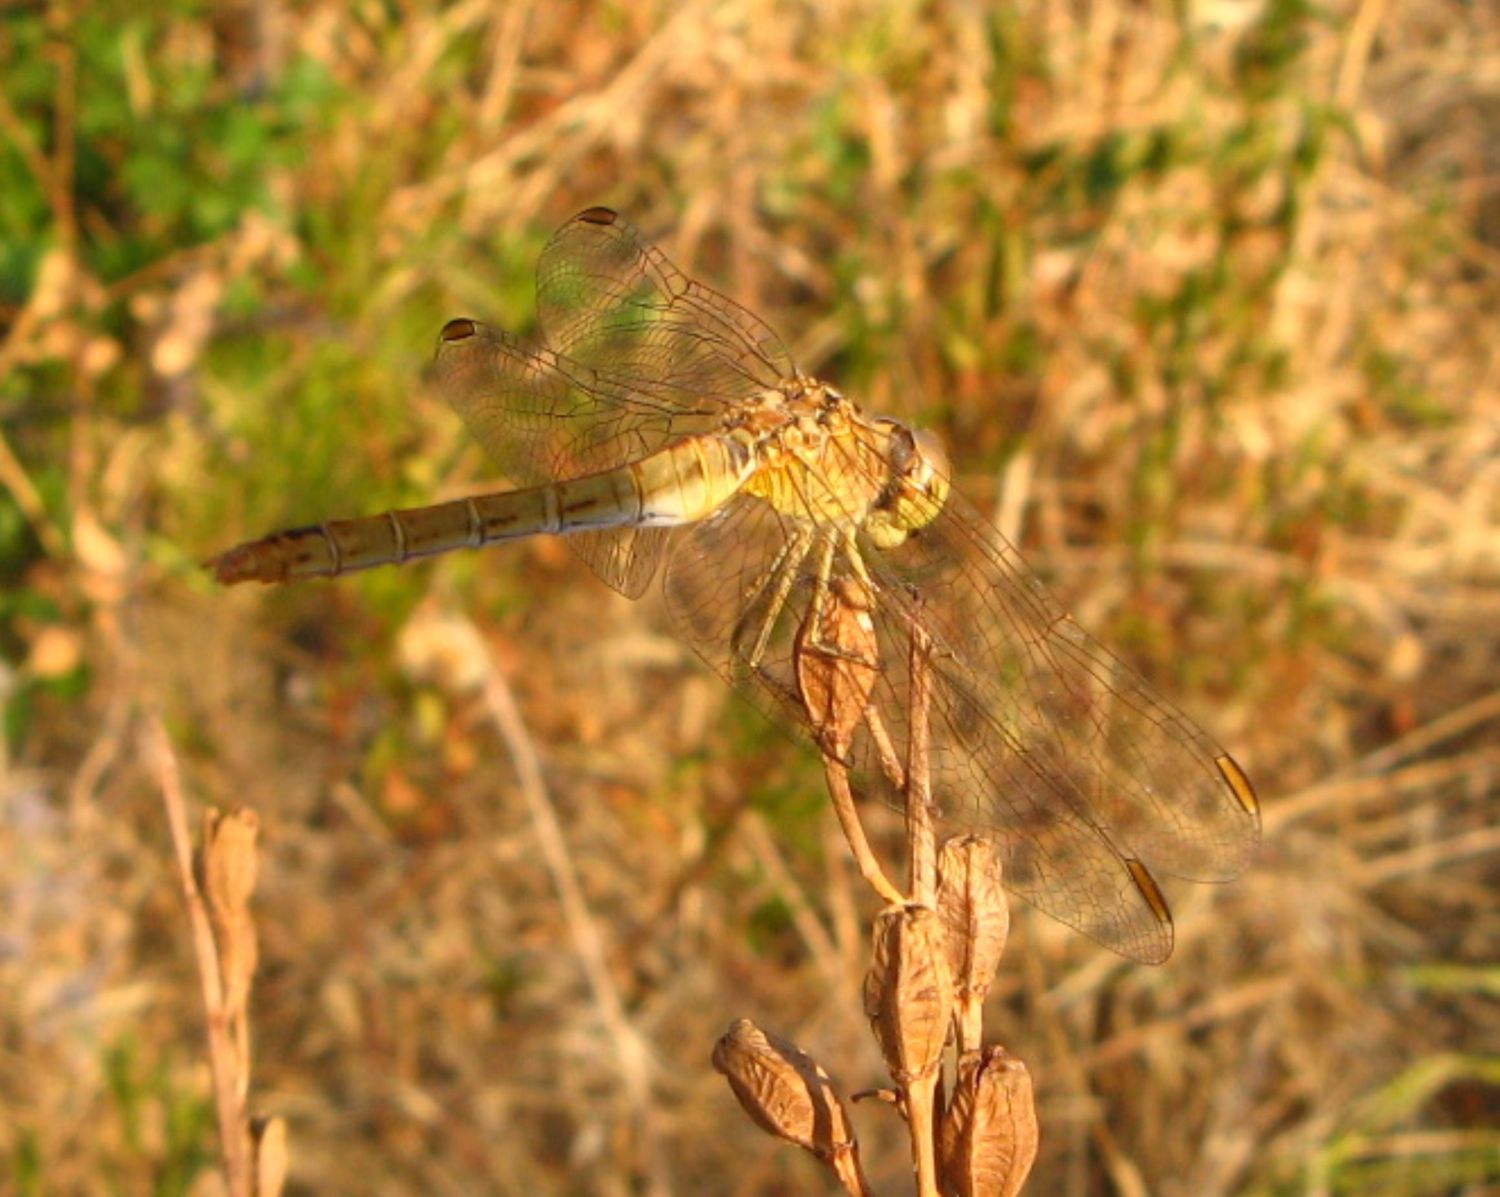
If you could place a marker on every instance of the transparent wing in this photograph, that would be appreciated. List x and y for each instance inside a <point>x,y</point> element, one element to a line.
<point>609,299</point>
<point>1040,738</point>
<point>1148,776</point>
<point>638,356</point>
<point>543,417</point>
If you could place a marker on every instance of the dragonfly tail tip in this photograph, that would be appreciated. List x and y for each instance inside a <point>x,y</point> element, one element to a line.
<point>231,567</point>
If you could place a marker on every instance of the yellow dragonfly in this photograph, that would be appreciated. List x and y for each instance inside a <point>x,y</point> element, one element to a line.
<point>666,430</point>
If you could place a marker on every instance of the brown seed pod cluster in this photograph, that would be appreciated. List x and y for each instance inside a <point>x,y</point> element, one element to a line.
<point>934,955</point>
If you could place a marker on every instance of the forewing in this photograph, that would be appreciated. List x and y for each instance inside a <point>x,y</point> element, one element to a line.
<point>637,356</point>
<point>543,417</point>
<point>608,298</point>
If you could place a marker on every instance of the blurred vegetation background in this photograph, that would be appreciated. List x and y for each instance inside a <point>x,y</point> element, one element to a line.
<point>1203,294</point>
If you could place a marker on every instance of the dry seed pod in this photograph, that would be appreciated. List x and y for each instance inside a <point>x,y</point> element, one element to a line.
<point>909,990</point>
<point>270,1157</point>
<point>227,866</point>
<point>989,1136</point>
<point>228,863</point>
<point>784,1090</point>
<point>835,657</point>
<point>976,922</point>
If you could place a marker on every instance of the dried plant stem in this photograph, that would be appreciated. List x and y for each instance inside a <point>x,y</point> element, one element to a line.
<point>935,949</point>
<point>848,816</point>
<point>1357,46</point>
<point>223,1054</point>
<point>837,659</point>
<point>13,477</point>
<point>921,836</point>
<point>921,1107</point>
<point>631,1053</point>
<point>921,1091</point>
<point>1422,739</point>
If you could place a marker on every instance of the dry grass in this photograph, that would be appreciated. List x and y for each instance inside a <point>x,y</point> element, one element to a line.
<point>1205,305</point>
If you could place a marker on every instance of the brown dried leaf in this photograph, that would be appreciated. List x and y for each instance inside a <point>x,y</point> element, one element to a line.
<point>229,864</point>
<point>228,867</point>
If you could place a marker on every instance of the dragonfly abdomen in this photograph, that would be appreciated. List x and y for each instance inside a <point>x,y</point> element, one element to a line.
<point>684,482</point>
<point>343,546</point>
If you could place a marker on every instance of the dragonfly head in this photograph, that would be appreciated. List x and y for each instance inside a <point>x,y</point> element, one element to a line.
<point>916,485</point>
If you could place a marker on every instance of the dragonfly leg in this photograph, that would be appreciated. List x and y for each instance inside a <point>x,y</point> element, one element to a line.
<point>796,543</point>
<point>836,660</point>
<point>751,595</point>
<point>856,592</point>
<point>817,607</point>
<point>880,736</point>
<point>885,749</point>
<point>781,575</point>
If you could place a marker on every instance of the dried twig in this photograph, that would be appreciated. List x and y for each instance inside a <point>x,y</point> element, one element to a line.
<point>632,1055</point>
<point>929,994</point>
<point>223,1058</point>
<point>217,886</point>
<point>920,835</point>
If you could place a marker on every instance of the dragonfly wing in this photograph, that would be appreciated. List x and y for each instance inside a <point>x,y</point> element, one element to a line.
<point>544,417</point>
<point>1056,857</point>
<point>1086,779</point>
<point>1056,853</point>
<point>625,559</point>
<point>1089,727</point>
<point>608,298</point>
<point>638,356</point>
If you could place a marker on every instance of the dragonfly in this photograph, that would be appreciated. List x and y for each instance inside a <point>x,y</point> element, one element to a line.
<point>667,432</point>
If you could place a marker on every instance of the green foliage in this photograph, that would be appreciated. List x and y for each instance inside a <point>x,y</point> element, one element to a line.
<point>1274,49</point>
<point>26,1164</point>
<point>169,154</point>
<point>145,1091</point>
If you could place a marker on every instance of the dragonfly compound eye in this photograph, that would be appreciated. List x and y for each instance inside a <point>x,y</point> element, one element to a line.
<point>916,489</point>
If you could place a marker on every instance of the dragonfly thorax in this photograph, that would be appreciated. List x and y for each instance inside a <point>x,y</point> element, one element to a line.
<point>824,462</point>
